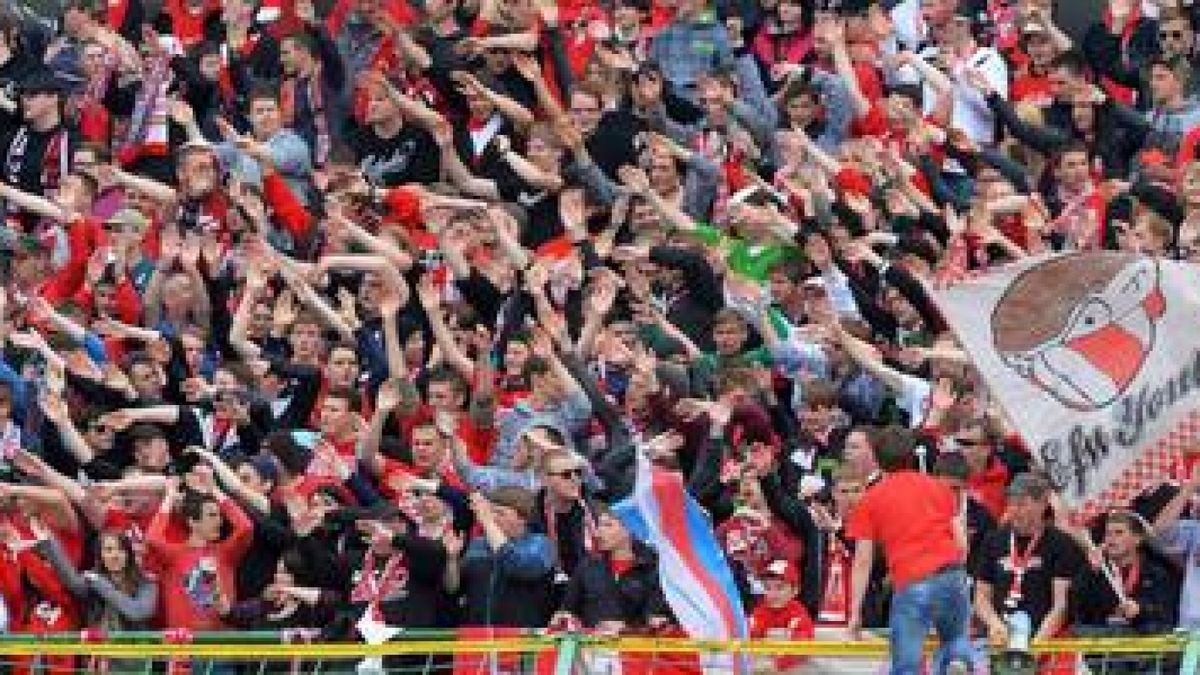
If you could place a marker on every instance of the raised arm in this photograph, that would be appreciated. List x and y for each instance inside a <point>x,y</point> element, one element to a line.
<point>239,337</point>
<point>1179,503</point>
<point>233,484</point>
<point>507,107</point>
<point>835,32</point>
<point>525,169</point>
<point>159,192</point>
<point>49,502</point>
<point>55,410</point>
<point>430,298</point>
<point>865,356</point>
<point>309,296</point>
<point>33,204</point>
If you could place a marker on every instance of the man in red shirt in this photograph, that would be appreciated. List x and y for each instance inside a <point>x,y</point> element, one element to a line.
<point>198,574</point>
<point>914,519</point>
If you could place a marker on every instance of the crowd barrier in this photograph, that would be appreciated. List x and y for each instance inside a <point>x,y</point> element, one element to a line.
<point>508,652</point>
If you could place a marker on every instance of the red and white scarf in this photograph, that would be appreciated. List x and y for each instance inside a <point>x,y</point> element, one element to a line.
<point>148,127</point>
<point>316,107</point>
<point>373,588</point>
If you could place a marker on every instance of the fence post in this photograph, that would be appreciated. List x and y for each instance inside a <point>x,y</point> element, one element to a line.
<point>568,650</point>
<point>1191,655</point>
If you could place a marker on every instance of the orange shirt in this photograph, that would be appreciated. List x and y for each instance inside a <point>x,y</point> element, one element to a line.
<point>911,515</point>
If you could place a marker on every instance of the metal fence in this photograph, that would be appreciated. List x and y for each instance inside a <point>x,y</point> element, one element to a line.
<point>537,653</point>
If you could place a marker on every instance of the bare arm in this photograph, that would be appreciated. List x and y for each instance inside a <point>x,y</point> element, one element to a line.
<point>157,191</point>
<point>521,42</point>
<point>845,69</point>
<point>529,172</point>
<point>428,294</point>
<point>822,159</point>
<point>239,330</point>
<point>461,176</point>
<point>33,204</point>
<point>305,292</point>
<point>234,485</point>
<point>864,557</point>
<point>50,502</point>
<point>396,294</point>
<point>867,359</point>
<point>1056,618</point>
<point>55,410</point>
<point>377,245</point>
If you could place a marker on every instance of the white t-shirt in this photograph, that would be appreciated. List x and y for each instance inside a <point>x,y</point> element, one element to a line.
<point>971,113</point>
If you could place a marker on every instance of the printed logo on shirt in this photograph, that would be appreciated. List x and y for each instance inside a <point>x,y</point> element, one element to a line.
<point>201,584</point>
<point>375,168</point>
<point>1034,563</point>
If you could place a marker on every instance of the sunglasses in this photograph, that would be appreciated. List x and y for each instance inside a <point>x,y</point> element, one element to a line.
<point>568,474</point>
<point>1171,34</point>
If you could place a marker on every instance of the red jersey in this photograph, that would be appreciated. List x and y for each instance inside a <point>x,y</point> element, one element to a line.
<point>195,578</point>
<point>789,622</point>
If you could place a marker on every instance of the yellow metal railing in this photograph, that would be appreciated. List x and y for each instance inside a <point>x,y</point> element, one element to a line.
<point>564,648</point>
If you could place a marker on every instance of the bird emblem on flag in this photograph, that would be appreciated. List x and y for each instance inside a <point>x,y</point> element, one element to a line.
<point>1080,327</point>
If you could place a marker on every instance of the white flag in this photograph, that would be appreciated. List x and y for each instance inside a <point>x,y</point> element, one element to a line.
<point>1096,358</point>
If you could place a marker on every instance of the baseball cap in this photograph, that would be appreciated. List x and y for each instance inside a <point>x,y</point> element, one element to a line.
<point>43,80</point>
<point>785,570</point>
<point>264,465</point>
<point>128,217</point>
<point>1028,485</point>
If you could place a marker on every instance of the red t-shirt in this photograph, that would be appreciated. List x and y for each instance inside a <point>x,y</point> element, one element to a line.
<point>911,515</point>
<point>789,622</point>
<point>38,601</point>
<point>195,578</point>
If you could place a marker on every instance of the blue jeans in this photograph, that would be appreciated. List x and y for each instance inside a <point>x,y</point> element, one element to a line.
<point>939,601</point>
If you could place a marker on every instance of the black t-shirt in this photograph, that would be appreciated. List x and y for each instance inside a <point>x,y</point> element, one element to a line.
<point>411,156</point>
<point>1054,556</point>
<point>611,145</point>
<point>541,206</point>
<point>25,157</point>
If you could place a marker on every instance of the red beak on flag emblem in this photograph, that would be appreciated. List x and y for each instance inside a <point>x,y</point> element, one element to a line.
<point>1113,351</point>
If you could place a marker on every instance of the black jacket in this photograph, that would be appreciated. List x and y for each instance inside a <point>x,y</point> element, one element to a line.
<point>699,297</point>
<point>1123,61</point>
<point>596,594</point>
<point>1157,594</point>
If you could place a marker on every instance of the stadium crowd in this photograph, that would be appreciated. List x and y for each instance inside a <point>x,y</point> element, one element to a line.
<point>321,310</point>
